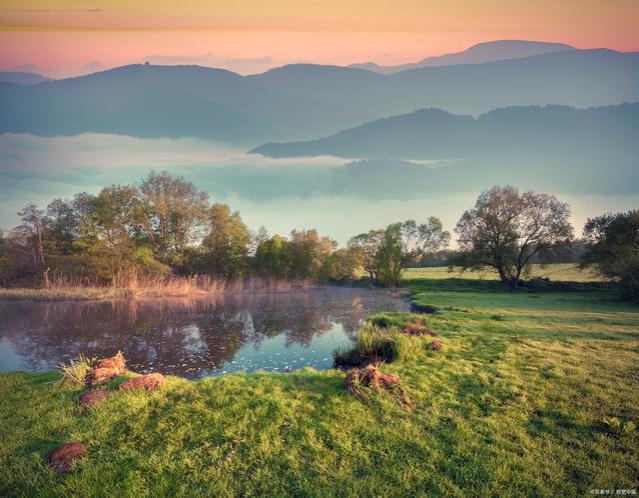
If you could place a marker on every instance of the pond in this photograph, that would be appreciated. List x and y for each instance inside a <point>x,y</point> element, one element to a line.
<point>191,337</point>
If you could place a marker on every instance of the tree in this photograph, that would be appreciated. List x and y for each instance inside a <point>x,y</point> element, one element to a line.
<point>32,228</point>
<point>61,226</point>
<point>272,258</point>
<point>226,244</point>
<point>367,246</point>
<point>613,249</point>
<point>308,251</point>
<point>172,214</point>
<point>404,244</point>
<point>108,232</point>
<point>506,229</point>
<point>342,265</point>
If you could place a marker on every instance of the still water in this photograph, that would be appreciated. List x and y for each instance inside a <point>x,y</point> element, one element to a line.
<point>191,337</point>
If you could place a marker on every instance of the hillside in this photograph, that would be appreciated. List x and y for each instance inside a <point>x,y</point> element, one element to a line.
<point>477,54</point>
<point>302,101</point>
<point>584,150</point>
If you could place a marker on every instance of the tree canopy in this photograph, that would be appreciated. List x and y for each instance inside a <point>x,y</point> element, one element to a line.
<point>506,229</point>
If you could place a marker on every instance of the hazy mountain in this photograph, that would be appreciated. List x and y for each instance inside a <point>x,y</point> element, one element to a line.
<point>435,134</point>
<point>302,101</point>
<point>21,78</point>
<point>477,54</point>
<point>580,149</point>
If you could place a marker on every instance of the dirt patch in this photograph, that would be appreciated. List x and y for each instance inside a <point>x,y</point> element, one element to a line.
<point>148,382</point>
<point>116,362</point>
<point>417,328</point>
<point>93,398</point>
<point>372,378</point>
<point>106,369</point>
<point>64,458</point>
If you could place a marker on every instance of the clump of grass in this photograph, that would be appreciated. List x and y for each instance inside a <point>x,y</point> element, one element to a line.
<point>76,371</point>
<point>374,344</point>
<point>499,317</point>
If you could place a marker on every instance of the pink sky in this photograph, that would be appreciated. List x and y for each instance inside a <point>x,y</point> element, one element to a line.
<point>61,38</point>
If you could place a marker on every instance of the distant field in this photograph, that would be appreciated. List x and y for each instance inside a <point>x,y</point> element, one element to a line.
<point>559,272</point>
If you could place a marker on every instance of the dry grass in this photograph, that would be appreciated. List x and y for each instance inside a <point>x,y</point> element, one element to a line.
<point>136,286</point>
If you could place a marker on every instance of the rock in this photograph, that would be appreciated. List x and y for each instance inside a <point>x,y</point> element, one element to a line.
<point>436,345</point>
<point>93,398</point>
<point>105,370</point>
<point>148,382</point>
<point>63,459</point>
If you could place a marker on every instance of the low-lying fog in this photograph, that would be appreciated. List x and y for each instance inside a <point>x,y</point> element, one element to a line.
<point>339,197</point>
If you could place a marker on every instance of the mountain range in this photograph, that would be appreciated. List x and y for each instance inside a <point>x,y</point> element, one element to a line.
<point>477,54</point>
<point>586,150</point>
<point>302,101</point>
<point>21,78</point>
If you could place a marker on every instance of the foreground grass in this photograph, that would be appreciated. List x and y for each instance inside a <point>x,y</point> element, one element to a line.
<point>518,403</point>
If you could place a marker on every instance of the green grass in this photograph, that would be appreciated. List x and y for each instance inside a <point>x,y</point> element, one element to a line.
<point>522,405</point>
<point>558,272</point>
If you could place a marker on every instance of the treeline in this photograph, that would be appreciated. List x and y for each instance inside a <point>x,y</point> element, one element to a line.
<point>164,227</point>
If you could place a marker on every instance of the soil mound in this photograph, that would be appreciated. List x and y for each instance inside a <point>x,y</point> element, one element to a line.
<point>64,458</point>
<point>417,328</point>
<point>106,369</point>
<point>93,398</point>
<point>148,382</point>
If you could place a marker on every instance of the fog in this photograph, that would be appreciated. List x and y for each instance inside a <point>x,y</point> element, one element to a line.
<point>338,197</point>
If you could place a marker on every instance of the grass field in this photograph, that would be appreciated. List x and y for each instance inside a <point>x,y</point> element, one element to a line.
<point>559,272</point>
<point>533,394</point>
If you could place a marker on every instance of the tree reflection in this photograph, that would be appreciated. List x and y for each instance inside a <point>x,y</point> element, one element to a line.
<point>187,337</point>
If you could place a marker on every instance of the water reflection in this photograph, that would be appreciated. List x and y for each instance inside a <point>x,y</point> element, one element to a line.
<point>190,337</point>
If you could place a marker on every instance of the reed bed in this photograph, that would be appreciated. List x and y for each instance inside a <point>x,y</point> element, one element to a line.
<point>80,288</point>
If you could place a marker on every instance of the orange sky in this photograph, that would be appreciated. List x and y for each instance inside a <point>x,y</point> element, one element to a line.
<point>249,36</point>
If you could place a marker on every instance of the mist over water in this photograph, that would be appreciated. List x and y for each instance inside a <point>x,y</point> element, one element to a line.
<point>340,197</point>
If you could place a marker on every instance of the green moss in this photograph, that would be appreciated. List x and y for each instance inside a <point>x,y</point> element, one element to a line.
<point>543,403</point>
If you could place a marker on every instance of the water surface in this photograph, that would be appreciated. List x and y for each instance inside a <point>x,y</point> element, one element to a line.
<point>191,337</point>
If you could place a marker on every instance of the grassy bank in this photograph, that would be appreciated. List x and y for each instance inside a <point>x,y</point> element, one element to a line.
<point>532,395</point>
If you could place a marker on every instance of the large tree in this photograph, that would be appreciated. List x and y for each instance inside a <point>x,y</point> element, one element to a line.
<point>506,229</point>
<point>172,214</point>
<point>613,249</point>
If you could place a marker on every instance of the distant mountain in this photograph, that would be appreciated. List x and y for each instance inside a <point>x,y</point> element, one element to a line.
<point>302,101</point>
<point>430,134</point>
<point>593,149</point>
<point>477,54</point>
<point>21,78</point>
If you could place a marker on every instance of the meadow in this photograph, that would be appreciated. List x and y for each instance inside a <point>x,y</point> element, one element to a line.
<point>532,394</point>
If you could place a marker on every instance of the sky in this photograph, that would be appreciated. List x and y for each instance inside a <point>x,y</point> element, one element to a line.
<point>70,37</point>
